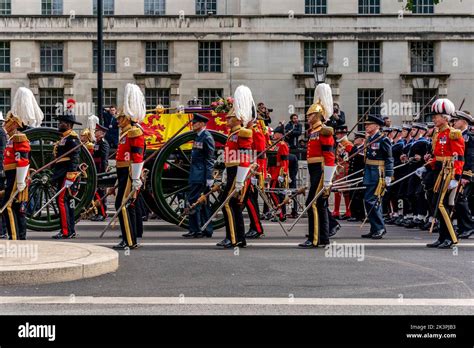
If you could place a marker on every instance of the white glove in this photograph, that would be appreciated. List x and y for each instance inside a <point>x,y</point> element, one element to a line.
<point>136,184</point>
<point>21,174</point>
<point>388,181</point>
<point>209,183</point>
<point>254,181</point>
<point>281,179</point>
<point>328,175</point>
<point>420,171</point>
<point>453,184</point>
<point>68,183</point>
<point>240,178</point>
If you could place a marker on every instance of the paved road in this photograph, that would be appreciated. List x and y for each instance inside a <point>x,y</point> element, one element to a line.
<point>169,275</point>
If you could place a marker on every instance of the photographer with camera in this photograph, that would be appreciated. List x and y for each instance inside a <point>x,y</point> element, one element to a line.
<point>338,117</point>
<point>264,113</point>
<point>296,130</point>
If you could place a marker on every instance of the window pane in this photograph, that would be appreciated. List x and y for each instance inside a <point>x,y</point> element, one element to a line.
<point>157,96</point>
<point>4,56</point>
<point>421,97</point>
<point>365,99</point>
<point>5,101</point>
<point>108,10</point>
<point>156,56</point>
<point>155,7</point>
<point>51,102</point>
<point>109,98</point>
<point>51,7</point>
<point>423,6</point>
<point>210,57</point>
<point>369,56</point>
<point>207,96</point>
<point>311,51</point>
<point>315,6</point>
<point>369,6</point>
<point>5,7</point>
<point>422,56</point>
<point>205,7</point>
<point>109,57</point>
<point>51,54</point>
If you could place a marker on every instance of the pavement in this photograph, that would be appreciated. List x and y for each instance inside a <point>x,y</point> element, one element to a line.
<point>171,275</point>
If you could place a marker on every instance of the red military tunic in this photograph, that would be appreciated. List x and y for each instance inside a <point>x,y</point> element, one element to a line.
<point>131,147</point>
<point>16,152</point>
<point>448,144</point>
<point>238,148</point>
<point>321,145</point>
<point>90,146</point>
<point>259,146</point>
<point>282,161</point>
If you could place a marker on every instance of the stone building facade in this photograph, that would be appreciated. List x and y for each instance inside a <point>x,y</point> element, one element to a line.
<point>178,49</point>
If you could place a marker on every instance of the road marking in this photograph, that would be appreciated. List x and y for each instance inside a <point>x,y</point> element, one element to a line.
<point>294,244</point>
<point>183,300</point>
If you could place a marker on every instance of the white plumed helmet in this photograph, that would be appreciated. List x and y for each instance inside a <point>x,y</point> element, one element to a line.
<point>92,122</point>
<point>25,109</point>
<point>134,105</point>
<point>244,105</point>
<point>443,107</point>
<point>323,97</point>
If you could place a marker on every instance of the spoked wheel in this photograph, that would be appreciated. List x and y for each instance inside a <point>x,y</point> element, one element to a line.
<point>170,174</point>
<point>42,189</point>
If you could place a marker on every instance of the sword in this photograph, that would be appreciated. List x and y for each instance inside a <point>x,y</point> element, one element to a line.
<point>9,201</point>
<point>50,201</point>
<point>119,210</point>
<point>201,200</point>
<point>267,202</point>
<point>307,208</point>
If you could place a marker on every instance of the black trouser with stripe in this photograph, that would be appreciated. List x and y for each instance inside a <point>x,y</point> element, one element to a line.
<point>234,220</point>
<point>13,216</point>
<point>128,215</point>
<point>318,219</point>
<point>66,205</point>
<point>251,203</point>
<point>463,211</point>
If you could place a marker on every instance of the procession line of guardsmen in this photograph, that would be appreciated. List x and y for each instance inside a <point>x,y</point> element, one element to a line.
<point>418,175</point>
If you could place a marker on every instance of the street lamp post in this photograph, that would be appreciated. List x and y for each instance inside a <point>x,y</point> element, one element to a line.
<point>100,68</point>
<point>320,68</point>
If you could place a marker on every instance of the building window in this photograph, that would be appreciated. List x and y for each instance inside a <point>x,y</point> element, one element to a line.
<point>5,7</point>
<point>155,7</point>
<point>4,56</point>
<point>422,56</point>
<point>210,57</point>
<point>157,96</point>
<point>206,7</point>
<point>52,104</point>
<point>51,7</point>
<point>312,49</point>
<point>109,56</point>
<point>315,7</point>
<point>109,98</point>
<point>108,10</point>
<point>369,6</point>
<point>369,56</point>
<point>156,56</point>
<point>423,6</point>
<point>420,98</point>
<point>209,95</point>
<point>51,56</point>
<point>365,99</point>
<point>5,101</point>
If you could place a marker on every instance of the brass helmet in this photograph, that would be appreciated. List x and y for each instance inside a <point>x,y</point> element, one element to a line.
<point>323,102</point>
<point>87,134</point>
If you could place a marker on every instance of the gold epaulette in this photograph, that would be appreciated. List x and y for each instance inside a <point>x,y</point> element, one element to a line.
<point>90,145</point>
<point>74,134</point>
<point>19,138</point>
<point>72,176</point>
<point>327,131</point>
<point>245,133</point>
<point>455,134</point>
<point>134,132</point>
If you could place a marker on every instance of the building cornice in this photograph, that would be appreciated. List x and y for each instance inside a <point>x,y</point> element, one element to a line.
<point>442,76</point>
<point>64,75</point>
<point>170,75</point>
<point>311,75</point>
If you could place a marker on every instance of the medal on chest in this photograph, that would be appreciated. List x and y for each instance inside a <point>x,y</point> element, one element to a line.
<point>198,145</point>
<point>314,136</point>
<point>443,140</point>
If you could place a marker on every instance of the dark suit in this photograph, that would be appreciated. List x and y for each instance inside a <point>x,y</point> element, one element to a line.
<point>332,122</point>
<point>293,137</point>
<point>202,167</point>
<point>463,211</point>
<point>112,135</point>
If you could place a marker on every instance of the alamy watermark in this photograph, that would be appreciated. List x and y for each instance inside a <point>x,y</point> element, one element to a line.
<point>11,250</point>
<point>351,251</point>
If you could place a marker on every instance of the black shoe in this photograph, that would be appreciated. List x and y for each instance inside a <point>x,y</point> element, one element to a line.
<point>58,236</point>
<point>252,234</point>
<point>283,219</point>
<point>135,246</point>
<point>98,218</point>
<point>198,236</point>
<point>435,244</point>
<point>3,236</point>
<point>223,243</point>
<point>379,234</point>
<point>352,219</point>
<point>121,246</point>
<point>399,221</point>
<point>345,217</point>
<point>307,245</point>
<point>189,235</point>
<point>425,226</point>
<point>241,244</point>
<point>466,235</point>
<point>323,244</point>
<point>71,236</point>
<point>334,230</point>
<point>447,244</point>
<point>368,235</point>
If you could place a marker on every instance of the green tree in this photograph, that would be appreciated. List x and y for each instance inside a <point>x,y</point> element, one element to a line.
<point>409,5</point>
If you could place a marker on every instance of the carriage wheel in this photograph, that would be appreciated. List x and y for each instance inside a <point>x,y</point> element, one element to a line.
<point>170,178</point>
<point>41,189</point>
